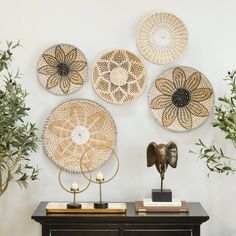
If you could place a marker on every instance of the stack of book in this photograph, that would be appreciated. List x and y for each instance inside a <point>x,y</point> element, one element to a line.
<point>147,205</point>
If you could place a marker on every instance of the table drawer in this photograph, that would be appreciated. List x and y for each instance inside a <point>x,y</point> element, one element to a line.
<point>85,232</point>
<point>157,232</point>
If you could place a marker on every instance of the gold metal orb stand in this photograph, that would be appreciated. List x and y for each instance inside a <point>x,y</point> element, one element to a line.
<point>74,190</point>
<point>101,180</point>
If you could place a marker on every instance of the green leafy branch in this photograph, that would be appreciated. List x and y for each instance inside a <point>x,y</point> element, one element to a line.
<point>225,120</point>
<point>18,138</point>
<point>226,113</point>
<point>6,55</point>
<point>215,159</point>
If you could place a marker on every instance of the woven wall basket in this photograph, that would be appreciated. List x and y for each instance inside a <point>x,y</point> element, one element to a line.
<point>181,99</point>
<point>62,69</point>
<point>119,76</point>
<point>77,127</point>
<point>162,37</point>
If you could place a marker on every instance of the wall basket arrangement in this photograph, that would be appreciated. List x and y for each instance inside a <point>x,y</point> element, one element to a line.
<point>62,69</point>
<point>181,98</point>
<point>119,76</point>
<point>162,37</point>
<point>77,127</point>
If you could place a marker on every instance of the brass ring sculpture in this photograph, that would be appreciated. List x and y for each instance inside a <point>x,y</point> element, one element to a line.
<point>74,191</point>
<point>100,204</point>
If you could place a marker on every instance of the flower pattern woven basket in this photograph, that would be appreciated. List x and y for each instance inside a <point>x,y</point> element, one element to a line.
<point>162,37</point>
<point>62,69</point>
<point>119,76</point>
<point>181,99</point>
<point>77,127</point>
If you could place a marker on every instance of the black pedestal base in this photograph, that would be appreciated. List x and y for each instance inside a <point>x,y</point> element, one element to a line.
<point>101,205</point>
<point>161,196</point>
<point>73,205</point>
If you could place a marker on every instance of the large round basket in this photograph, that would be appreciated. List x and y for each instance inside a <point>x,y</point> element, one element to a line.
<point>62,69</point>
<point>162,37</point>
<point>181,99</point>
<point>119,76</point>
<point>79,127</point>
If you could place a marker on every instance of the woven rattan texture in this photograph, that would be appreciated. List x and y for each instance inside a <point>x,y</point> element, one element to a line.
<point>162,37</point>
<point>181,99</point>
<point>62,69</point>
<point>119,76</point>
<point>77,127</point>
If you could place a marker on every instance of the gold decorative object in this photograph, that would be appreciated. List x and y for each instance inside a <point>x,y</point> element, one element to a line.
<point>100,180</point>
<point>74,190</point>
<point>62,69</point>
<point>77,127</point>
<point>162,37</point>
<point>181,99</point>
<point>162,155</point>
<point>119,76</point>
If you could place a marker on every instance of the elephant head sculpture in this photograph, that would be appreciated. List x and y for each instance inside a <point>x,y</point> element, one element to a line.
<point>162,155</point>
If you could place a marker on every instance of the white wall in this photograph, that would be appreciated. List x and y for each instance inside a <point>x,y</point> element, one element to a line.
<point>94,27</point>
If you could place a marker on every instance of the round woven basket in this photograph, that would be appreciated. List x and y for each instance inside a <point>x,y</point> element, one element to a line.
<point>162,37</point>
<point>119,76</point>
<point>77,127</point>
<point>62,69</point>
<point>181,99</point>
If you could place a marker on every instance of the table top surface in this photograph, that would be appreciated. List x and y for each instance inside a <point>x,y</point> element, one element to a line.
<point>196,214</point>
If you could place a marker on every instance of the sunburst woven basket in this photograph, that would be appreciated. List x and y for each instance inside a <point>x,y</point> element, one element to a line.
<point>181,99</point>
<point>79,127</point>
<point>162,37</point>
<point>119,76</point>
<point>62,69</point>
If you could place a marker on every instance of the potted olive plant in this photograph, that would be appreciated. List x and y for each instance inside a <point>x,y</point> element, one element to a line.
<point>225,120</point>
<point>17,137</point>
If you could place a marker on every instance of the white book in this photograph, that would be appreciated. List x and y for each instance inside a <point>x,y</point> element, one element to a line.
<point>147,202</point>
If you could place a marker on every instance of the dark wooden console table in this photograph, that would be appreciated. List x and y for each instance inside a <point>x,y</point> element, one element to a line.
<point>130,224</point>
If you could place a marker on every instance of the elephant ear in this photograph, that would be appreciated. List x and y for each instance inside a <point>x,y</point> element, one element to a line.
<point>151,154</point>
<point>172,154</point>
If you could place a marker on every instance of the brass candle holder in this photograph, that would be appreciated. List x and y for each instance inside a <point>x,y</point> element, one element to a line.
<point>100,180</point>
<point>74,190</point>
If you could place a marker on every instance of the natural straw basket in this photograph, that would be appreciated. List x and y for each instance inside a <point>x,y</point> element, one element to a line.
<point>62,69</point>
<point>76,127</point>
<point>162,37</point>
<point>181,99</point>
<point>119,76</point>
